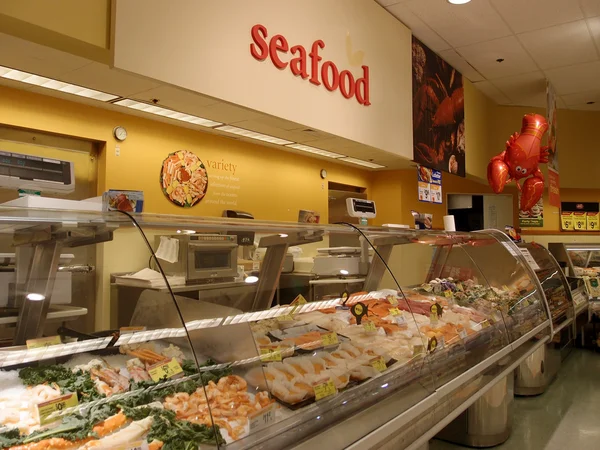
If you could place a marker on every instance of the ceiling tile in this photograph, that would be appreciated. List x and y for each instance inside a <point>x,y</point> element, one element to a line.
<point>590,8</point>
<point>532,15</point>
<point>483,57</point>
<point>460,64</point>
<point>103,78</point>
<point>581,98</point>
<point>584,107</point>
<point>561,45</point>
<point>461,25</point>
<point>175,98</point>
<point>560,103</point>
<point>527,89</point>
<point>577,78</point>
<point>493,92</point>
<point>418,28</point>
<point>594,27</point>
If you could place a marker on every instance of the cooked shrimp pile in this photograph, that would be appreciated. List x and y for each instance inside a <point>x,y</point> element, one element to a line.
<point>230,404</point>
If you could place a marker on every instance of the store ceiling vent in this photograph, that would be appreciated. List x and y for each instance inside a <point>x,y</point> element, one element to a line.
<point>18,171</point>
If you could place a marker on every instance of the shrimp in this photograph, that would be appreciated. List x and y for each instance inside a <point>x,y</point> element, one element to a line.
<point>263,399</point>
<point>43,392</point>
<point>232,382</point>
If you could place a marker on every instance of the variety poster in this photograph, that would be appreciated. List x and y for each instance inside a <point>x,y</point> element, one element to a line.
<point>438,112</point>
<point>533,218</point>
<point>553,178</point>
<point>430,185</point>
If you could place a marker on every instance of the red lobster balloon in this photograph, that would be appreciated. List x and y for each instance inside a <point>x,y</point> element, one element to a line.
<point>520,160</point>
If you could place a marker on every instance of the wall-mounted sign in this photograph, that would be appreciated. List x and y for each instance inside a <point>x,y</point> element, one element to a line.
<point>305,64</point>
<point>580,216</point>
<point>533,217</point>
<point>430,184</point>
<point>438,112</point>
<point>183,178</point>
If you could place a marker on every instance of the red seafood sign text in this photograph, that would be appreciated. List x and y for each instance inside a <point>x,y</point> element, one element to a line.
<point>327,74</point>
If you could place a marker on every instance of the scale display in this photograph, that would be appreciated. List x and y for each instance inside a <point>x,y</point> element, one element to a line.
<point>26,171</point>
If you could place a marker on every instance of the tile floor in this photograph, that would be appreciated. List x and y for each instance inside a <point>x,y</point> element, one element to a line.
<point>566,416</point>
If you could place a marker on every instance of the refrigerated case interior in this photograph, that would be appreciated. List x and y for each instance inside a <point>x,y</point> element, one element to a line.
<point>441,318</point>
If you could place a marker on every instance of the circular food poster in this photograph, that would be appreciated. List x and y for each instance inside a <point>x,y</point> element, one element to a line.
<point>183,178</point>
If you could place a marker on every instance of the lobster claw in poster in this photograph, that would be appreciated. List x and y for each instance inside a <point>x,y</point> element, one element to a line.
<point>438,112</point>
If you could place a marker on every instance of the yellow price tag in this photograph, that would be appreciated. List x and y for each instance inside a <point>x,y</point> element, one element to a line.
<point>566,221</point>
<point>270,353</point>
<point>393,300</point>
<point>379,364</point>
<point>417,350</point>
<point>285,318</point>
<point>580,223</point>
<point>433,317</point>
<point>329,339</point>
<point>324,390</point>
<point>448,293</point>
<point>485,323</point>
<point>300,300</point>
<point>395,312</point>
<point>46,409</point>
<point>262,418</point>
<point>43,342</point>
<point>165,369</point>
<point>369,326</point>
<point>593,221</point>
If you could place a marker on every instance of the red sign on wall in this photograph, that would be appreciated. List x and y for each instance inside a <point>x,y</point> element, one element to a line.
<point>328,74</point>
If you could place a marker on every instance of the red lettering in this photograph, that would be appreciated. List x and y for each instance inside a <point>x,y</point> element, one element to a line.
<point>327,73</point>
<point>314,61</point>
<point>298,65</point>
<point>363,97</point>
<point>259,49</point>
<point>330,85</point>
<point>278,43</point>
<point>347,84</point>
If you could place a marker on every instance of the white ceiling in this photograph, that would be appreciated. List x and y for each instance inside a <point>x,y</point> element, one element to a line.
<point>30,57</point>
<point>557,40</point>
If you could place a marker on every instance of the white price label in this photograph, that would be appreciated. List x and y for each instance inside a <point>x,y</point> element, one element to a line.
<point>510,247</point>
<point>263,418</point>
<point>529,258</point>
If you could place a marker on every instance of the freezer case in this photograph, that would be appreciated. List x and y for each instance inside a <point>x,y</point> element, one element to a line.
<point>439,323</point>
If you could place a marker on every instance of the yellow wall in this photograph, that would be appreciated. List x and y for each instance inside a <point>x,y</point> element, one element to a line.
<point>274,184</point>
<point>478,109</point>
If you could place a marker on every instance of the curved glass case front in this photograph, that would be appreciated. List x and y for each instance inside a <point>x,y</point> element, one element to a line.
<point>553,281</point>
<point>249,334</point>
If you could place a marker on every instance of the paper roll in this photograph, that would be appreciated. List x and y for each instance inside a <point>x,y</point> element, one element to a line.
<point>449,223</point>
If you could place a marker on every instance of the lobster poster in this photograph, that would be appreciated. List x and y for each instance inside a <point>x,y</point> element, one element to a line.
<point>438,112</point>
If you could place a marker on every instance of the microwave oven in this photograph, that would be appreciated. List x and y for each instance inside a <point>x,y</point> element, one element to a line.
<point>203,257</point>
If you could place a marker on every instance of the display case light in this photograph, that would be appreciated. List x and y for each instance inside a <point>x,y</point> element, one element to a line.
<point>315,151</point>
<point>253,135</point>
<point>360,162</point>
<point>168,113</point>
<point>35,297</point>
<point>49,83</point>
<point>251,279</point>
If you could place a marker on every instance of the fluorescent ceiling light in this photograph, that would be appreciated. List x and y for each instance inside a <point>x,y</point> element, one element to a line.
<point>360,162</point>
<point>458,2</point>
<point>56,85</point>
<point>253,135</point>
<point>168,113</point>
<point>316,151</point>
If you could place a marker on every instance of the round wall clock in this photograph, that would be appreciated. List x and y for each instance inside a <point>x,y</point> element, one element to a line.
<point>120,133</point>
<point>183,178</point>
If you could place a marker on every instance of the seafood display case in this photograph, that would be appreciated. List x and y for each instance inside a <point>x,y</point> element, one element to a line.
<point>536,373</point>
<point>433,333</point>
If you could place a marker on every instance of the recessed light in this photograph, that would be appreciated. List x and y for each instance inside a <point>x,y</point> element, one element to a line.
<point>499,60</point>
<point>253,135</point>
<point>168,113</point>
<point>458,2</point>
<point>49,83</point>
<point>590,103</point>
